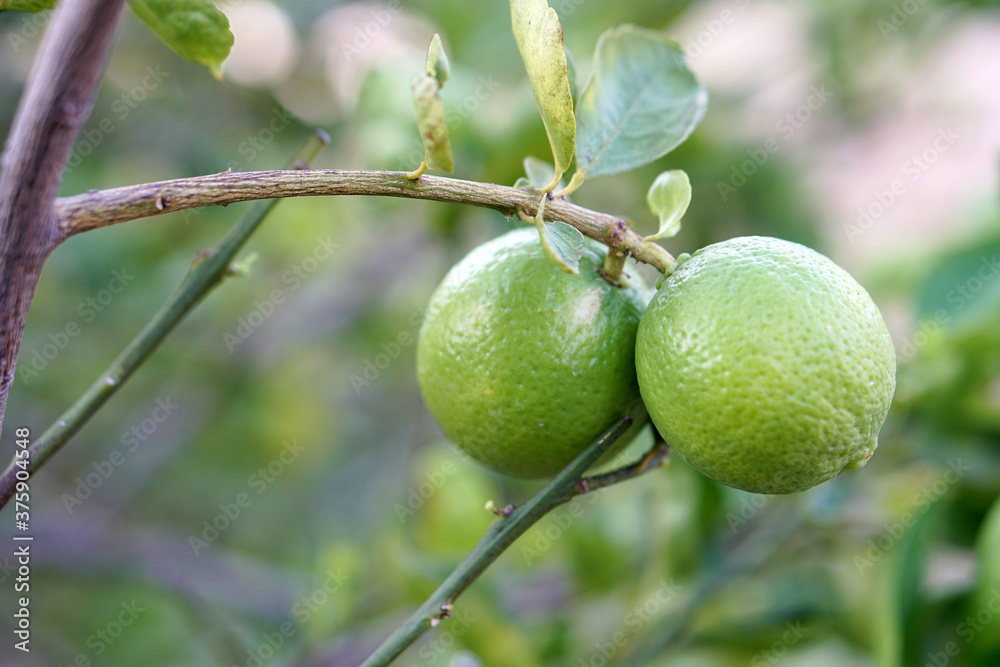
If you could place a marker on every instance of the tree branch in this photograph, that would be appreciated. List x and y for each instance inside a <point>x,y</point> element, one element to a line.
<point>504,531</point>
<point>57,99</point>
<point>91,210</point>
<point>206,273</point>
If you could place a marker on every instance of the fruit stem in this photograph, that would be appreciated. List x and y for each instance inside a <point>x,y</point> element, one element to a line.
<point>614,264</point>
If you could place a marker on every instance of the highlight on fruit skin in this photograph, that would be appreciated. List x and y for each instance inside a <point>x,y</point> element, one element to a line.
<point>522,364</point>
<point>766,365</point>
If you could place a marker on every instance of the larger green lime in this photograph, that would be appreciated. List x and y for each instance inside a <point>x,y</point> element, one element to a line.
<point>524,365</point>
<point>766,365</point>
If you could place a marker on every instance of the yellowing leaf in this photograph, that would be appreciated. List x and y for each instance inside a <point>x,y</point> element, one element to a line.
<point>430,122</point>
<point>540,40</point>
<point>669,197</point>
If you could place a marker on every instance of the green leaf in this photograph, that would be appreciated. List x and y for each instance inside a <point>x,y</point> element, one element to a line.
<point>430,122</point>
<point>539,172</point>
<point>900,600</point>
<point>574,88</point>
<point>988,576</point>
<point>640,103</point>
<point>437,61</point>
<point>563,244</point>
<point>669,197</point>
<point>195,29</point>
<point>540,40</point>
<point>26,5</point>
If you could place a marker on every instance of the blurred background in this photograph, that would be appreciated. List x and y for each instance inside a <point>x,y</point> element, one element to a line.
<point>269,488</point>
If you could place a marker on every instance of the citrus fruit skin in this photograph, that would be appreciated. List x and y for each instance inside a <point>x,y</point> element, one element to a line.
<point>766,365</point>
<point>522,364</point>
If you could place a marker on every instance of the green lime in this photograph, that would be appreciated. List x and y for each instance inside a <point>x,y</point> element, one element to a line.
<point>522,364</point>
<point>766,365</point>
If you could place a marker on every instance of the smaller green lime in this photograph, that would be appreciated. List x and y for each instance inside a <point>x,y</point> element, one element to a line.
<point>766,365</point>
<point>522,364</point>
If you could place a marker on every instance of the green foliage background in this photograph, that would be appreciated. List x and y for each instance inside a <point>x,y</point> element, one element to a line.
<point>894,564</point>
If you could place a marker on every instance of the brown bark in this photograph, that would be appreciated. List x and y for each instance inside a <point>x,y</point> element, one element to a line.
<point>57,99</point>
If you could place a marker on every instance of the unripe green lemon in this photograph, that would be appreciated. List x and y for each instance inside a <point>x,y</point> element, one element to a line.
<point>766,365</point>
<point>522,364</point>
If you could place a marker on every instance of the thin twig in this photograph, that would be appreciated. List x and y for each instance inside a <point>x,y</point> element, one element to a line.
<point>503,532</point>
<point>101,208</point>
<point>654,458</point>
<point>206,273</point>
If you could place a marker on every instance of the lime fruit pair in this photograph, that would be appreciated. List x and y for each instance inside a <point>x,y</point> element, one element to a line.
<point>761,361</point>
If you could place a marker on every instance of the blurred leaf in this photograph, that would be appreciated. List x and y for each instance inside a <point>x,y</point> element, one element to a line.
<point>437,61</point>
<point>961,289</point>
<point>640,103</point>
<point>26,5</point>
<point>540,40</point>
<point>900,581</point>
<point>563,244</point>
<point>988,586</point>
<point>431,123</point>
<point>574,88</point>
<point>195,29</point>
<point>669,197</point>
<point>539,172</point>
